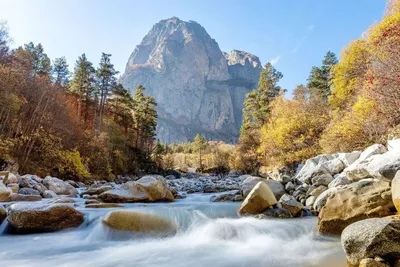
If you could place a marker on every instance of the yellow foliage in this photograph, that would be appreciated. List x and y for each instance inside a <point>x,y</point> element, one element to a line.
<point>292,133</point>
<point>348,73</point>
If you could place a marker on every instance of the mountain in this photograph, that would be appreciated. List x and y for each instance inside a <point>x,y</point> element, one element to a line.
<point>198,88</point>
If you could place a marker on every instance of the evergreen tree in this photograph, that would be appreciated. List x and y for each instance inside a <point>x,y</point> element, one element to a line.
<point>120,105</point>
<point>41,63</point>
<point>106,81</point>
<point>200,144</point>
<point>320,80</point>
<point>145,117</point>
<point>256,109</point>
<point>60,72</point>
<point>83,84</point>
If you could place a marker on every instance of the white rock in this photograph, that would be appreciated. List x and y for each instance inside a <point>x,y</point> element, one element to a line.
<point>349,158</point>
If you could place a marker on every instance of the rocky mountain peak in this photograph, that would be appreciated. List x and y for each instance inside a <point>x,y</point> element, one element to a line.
<point>198,88</point>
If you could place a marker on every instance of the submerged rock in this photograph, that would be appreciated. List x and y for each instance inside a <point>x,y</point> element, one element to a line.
<point>21,197</point>
<point>102,205</point>
<point>351,203</point>
<point>258,200</point>
<point>281,213</point>
<point>228,197</point>
<point>139,222</point>
<point>97,190</point>
<point>376,237</point>
<point>33,218</point>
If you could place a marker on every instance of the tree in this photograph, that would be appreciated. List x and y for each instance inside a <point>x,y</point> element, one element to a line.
<point>256,105</point>
<point>300,93</point>
<point>200,144</point>
<point>145,117</point>
<point>83,85</point>
<point>4,41</point>
<point>41,63</point>
<point>60,72</point>
<point>107,81</point>
<point>320,79</point>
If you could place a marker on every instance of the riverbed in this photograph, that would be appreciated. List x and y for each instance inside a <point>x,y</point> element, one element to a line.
<point>210,234</point>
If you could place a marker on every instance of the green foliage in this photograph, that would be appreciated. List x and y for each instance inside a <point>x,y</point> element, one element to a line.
<point>41,63</point>
<point>256,105</point>
<point>61,73</point>
<point>320,79</point>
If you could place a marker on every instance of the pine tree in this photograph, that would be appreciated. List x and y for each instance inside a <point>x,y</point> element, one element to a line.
<point>256,109</point>
<point>320,79</point>
<point>145,117</point>
<point>120,105</point>
<point>61,73</point>
<point>41,63</point>
<point>106,81</point>
<point>83,84</point>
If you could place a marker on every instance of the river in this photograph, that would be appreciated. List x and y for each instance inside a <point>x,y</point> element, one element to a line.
<point>210,234</point>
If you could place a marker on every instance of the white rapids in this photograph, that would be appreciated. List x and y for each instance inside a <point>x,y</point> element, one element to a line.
<point>210,234</point>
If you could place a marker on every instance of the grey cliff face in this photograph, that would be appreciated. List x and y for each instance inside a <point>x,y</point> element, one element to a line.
<point>198,88</point>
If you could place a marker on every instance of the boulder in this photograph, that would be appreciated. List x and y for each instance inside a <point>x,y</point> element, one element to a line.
<point>320,201</point>
<point>250,182</point>
<point>369,262</point>
<point>281,213</point>
<point>98,190</point>
<point>3,214</point>
<point>29,191</point>
<point>375,162</point>
<point>149,188</point>
<point>33,218</point>
<point>293,206</point>
<point>289,186</point>
<point>396,191</point>
<point>63,200</point>
<point>322,179</point>
<point>349,158</point>
<point>139,222</point>
<point>339,179</point>
<point>12,179</point>
<point>5,193</point>
<point>351,203</point>
<point>59,186</point>
<point>370,238</point>
<point>31,181</point>
<point>333,166</point>
<point>310,201</point>
<point>209,189</point>
<point>259,199</point>
<point>21,197</point>
<point>14,188</point>
<point>49,194</point>
<point>228,197</point>
<point>314,167</point>
<point>317,191</point>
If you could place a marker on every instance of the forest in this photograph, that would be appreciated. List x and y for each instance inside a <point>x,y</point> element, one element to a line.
<point>76,125</point>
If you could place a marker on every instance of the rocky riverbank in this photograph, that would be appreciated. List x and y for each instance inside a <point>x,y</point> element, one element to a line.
<point>346,190</point>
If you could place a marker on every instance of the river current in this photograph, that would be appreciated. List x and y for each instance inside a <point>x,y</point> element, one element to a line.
<point>210,234</point>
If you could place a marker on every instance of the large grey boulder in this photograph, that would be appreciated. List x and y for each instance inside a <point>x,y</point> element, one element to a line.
<point>198,88</point>
<point>370,238</point>
<point>59,186</point>
<point>376,162</point>
<point>149,188</point>
<point>31,181</point>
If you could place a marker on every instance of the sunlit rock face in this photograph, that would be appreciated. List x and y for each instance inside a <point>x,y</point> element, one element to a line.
<point>198,88</point>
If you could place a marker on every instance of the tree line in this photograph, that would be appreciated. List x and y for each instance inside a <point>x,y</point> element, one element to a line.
<point>346,105</point>
<point>71,125</point>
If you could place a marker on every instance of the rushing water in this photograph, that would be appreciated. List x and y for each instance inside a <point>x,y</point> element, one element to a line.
<point>210,234</point>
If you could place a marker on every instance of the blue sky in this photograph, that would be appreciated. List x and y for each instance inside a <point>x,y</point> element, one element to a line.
<point>294,34</point>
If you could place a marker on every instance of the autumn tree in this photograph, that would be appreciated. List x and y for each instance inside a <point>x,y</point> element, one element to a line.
<point>200,144</point>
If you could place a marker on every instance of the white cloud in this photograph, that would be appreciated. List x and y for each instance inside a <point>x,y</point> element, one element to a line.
<point>275,60</point>
<point>310,29</point>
